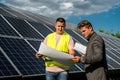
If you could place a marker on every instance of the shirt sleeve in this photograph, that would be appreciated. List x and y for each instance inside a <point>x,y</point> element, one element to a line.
<point>45,41</point>
<point>71,43</point>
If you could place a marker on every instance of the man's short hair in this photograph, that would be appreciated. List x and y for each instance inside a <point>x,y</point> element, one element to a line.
<point>84,23</point>
<point>60,20</point>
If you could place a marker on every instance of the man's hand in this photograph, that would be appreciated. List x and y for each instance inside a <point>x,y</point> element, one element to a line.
<point>38,55</point>
<point>76,59</point>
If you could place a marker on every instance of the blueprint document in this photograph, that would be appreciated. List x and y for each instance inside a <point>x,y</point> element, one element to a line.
<point>61,57</point>
<point>80,48</point>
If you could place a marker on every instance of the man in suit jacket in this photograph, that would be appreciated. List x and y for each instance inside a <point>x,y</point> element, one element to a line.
<point>95,57</point>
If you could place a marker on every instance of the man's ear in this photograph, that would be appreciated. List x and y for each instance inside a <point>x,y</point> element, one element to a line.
<point>90,27</point>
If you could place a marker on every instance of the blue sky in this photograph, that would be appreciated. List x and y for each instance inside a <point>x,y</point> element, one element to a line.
<point>103,14</point>
<point>108,21</point>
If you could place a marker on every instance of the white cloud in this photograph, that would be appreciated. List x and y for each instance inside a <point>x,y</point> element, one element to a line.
<point>63,8</point>
<point>66,5</point>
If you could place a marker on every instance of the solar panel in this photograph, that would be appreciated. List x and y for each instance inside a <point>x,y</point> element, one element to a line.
<point>6,11</point>
<point>113,64</point>
<point>5,28</point>
<point>43,30</point>
<point>2,11</point>
<point>51,27</point>
<point>76,36</point>
<point>6,68</point>
<point>23,28</point>
<point>112,50</point>
<point>75,68</point>
<point>35,44</point>
<point>22,55</point>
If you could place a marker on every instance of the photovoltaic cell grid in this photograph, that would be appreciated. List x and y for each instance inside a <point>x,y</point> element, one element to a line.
<point>5,66</point>
<point>42,29</point>
<point>77,38</point>
<point>112,50</point>
<point>20,50</point>
<point>2,11</point>
<point>23,28</point>
<point>22,55</point>
<point>18,13</point>
<point>7,11</point>
<point>5,28</point>
<point>35,44</point>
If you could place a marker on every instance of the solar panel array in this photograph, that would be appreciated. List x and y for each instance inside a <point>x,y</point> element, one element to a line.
<point>21,33</point>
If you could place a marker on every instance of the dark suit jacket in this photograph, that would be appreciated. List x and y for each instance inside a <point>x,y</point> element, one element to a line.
<point>95,60</point>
